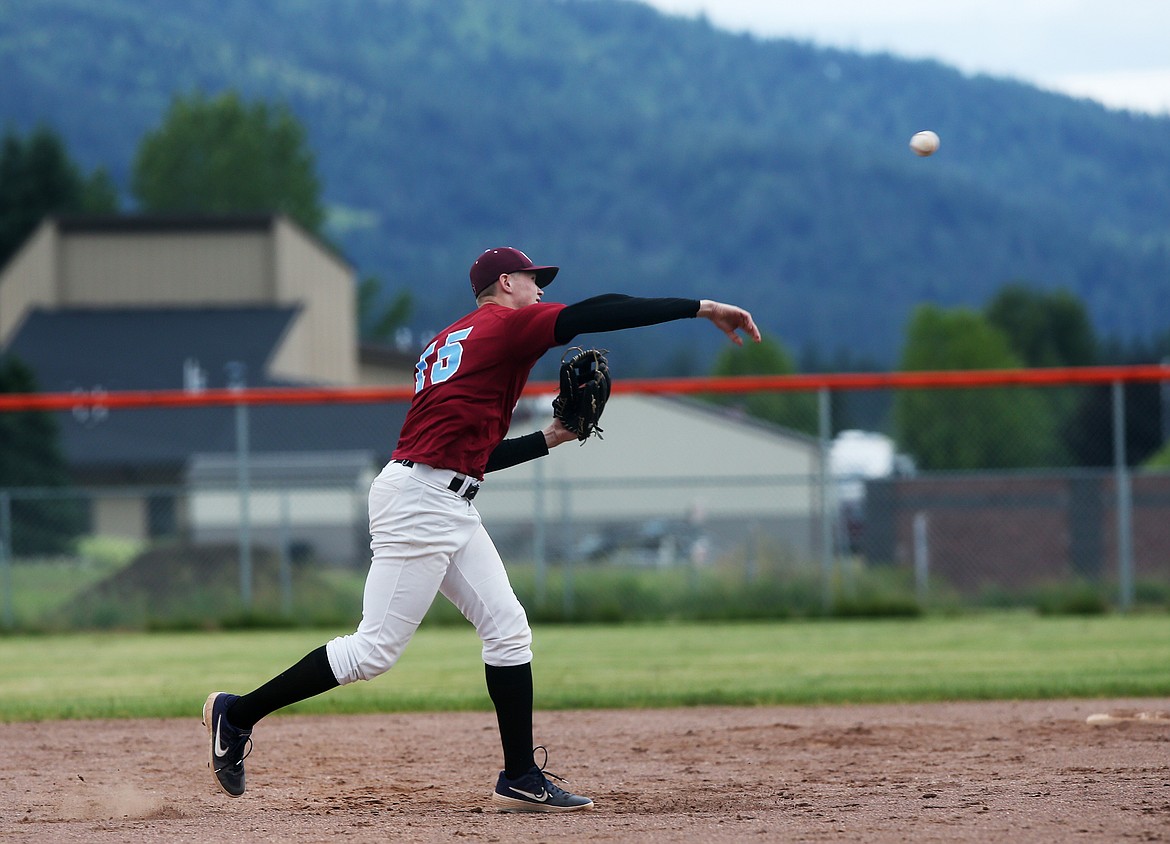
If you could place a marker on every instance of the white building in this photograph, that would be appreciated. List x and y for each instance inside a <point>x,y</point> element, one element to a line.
<point>665,465</point>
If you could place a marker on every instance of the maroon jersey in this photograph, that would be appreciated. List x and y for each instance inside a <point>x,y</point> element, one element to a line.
<point>467,383</point>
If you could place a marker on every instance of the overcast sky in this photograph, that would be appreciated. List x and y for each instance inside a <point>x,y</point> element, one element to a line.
<point>1114,51</point>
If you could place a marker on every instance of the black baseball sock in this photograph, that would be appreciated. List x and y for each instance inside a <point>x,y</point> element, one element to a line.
<point>510,689</point>
<point>309,677</point>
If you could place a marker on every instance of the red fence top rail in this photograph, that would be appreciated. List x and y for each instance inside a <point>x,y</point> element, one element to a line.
<point>128,399</point>
<point>1056,376</point>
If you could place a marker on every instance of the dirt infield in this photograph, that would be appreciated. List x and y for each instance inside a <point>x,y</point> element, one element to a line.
<point>962,772</point>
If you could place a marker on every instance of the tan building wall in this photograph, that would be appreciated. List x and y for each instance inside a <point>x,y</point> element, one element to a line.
<point>201,262</point>
<point>323,343</point>
<point>147,268</point>
<point>29,280</point>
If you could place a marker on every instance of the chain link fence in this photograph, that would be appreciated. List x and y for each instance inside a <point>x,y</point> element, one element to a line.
<point>951,498</point>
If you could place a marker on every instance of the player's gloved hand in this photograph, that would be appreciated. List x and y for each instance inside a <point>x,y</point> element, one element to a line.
<point>555,433</point>
<point>584,391</point>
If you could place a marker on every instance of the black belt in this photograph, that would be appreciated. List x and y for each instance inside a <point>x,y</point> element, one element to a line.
<point>456,482</point>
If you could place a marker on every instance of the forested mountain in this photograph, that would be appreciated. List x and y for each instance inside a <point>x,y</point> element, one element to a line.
<point>647,154</point>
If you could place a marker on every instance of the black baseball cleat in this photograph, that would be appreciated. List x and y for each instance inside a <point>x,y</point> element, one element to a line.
<point>229,746</point>
<point>532,792</point>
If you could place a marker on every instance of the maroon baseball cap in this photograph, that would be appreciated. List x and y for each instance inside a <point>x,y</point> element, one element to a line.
<point>504,259</point>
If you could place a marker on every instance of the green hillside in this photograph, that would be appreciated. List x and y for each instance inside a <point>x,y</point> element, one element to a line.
<point>644,153</point>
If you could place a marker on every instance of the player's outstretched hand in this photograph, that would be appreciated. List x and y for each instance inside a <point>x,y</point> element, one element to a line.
<point>729,319</point>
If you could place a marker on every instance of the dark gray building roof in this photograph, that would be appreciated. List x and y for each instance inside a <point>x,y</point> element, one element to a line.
<point>150,349</point>
<point>147,348</point>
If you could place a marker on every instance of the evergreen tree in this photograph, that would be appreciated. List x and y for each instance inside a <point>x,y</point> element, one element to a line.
<point>30,457</point>
<point>986,428</point>
<point>769,357</point>
<point>1044,328</point>
<point>37,178</point>
<point>1048,329</point>
<point>377,320</point>
<point>1090,432</point>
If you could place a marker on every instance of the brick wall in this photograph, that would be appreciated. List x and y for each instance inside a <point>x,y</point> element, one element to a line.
<point>1014,531</point>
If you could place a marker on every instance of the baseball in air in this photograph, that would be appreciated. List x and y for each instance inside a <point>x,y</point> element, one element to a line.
<point>924,143</point>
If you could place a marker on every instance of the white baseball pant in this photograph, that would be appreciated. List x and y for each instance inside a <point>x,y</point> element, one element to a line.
<point>427,539</point>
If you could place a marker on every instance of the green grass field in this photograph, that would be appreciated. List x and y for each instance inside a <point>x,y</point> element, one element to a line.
<point>993,656</point>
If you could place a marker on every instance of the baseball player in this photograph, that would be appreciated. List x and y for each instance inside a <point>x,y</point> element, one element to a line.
<point>426,535</point>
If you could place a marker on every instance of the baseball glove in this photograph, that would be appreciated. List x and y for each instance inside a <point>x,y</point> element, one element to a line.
<point>584,391</point>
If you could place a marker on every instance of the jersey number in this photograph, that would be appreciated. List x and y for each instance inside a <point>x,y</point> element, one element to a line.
<point>445,364</point>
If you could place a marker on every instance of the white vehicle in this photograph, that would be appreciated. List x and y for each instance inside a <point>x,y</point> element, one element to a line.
<point>854,458</point>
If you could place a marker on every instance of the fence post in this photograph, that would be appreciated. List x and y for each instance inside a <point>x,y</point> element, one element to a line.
<point>921,558</point>
<point>1124,500</point>
<point>243,475</point>
<point>1165,395</point>
<point>6,558</point>
<point>538,541</point>
<point>568,556</point>
<point>824,414</point>
<point>245,483</point>
<point>286,595</point>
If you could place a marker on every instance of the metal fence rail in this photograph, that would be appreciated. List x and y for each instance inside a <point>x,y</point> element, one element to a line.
<point>273,516</point>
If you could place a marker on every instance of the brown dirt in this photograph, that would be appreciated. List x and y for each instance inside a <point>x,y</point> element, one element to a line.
<point>959,772</point>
